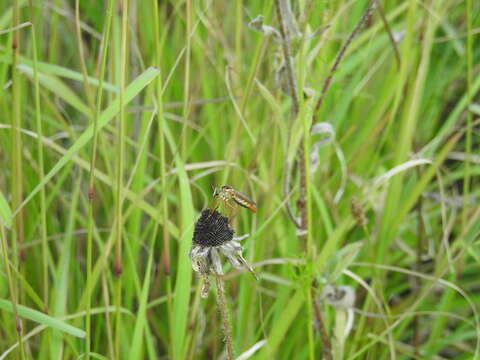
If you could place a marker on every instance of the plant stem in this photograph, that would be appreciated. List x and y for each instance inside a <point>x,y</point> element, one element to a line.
<point>468,140</point>
<point>417,280</point>
<point>303,154</point>
<point>91,180</point>
<point>340,54</point>
<point>11,289</point>
<point>163,160</point>
<point>327,345</point>
<point>222,306</point>
<point>83,65</point>
<point>17,159</point>
<point>287,55</point>
<point>186,83</point>
<point>118,267</point>
<point>389,32</point>
<point>38,120</point>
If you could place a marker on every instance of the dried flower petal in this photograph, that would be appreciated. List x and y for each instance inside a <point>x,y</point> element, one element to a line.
<point>341,297</point>
<point>257,25</point>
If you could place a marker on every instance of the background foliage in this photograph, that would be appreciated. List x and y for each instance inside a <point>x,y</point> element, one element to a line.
<point>211,113</point>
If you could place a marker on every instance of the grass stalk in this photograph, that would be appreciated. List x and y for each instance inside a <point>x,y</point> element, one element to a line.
<point>53,38</point>
<point>83,65</point>
<point>290,71</point>
<point>341,53</point>
<point>232,87</point>
<point>163,178</point>
<point>468,134</point>
<point>304,202</point>
<point>120,141</point>
<point>287,57</point>
<point>186,81</point>
<point>11,289</point>
<point>91,179</point>
<point>16,149</point>
<point>41,166</point>
<point>416,338</point>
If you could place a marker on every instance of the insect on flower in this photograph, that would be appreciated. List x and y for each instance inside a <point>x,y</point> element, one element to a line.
<point>228,195</point>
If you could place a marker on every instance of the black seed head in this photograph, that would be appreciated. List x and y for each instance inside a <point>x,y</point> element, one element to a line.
<point>212,229</point>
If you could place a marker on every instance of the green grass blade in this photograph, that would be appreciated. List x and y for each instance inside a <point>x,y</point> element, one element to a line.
<point>5,212</point>
<point>42,318</point>
<point>107,115</point>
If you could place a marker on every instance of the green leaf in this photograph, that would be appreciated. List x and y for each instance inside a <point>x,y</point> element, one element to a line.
<point>305,114</point>
<point>56,70</point>
<point>57,87</point>
<point>342,260</point>
<point>5,212</point>
<point>184,274</point>
<point>107,115</point>
<point>41,318</point>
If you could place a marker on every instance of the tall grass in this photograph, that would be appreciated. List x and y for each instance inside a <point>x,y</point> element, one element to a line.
<point>118,117</point>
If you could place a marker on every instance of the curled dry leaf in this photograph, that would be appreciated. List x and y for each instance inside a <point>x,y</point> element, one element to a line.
<point>267,30</point>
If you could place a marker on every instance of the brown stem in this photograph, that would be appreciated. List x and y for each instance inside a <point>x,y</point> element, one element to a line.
<point>286,193</point>
<point>287,54</point>
<point>417,282</point>
<point>390,34</point>
<point>302,199</point>
<point>222,305</point>
<point>327,345</point>
<point>340,54</point>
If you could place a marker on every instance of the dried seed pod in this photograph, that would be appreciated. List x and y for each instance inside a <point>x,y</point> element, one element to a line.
<point>212,229</point>
<point>358,212</point>
<point>342,297</point>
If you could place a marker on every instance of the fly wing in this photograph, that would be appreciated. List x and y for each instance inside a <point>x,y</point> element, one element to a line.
<point>245,202</point>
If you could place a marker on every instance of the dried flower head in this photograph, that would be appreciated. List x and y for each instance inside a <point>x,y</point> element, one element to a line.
<point>340,297</point>
<point>212,229</point>
<point>358,212</point>
<point>213,235</point>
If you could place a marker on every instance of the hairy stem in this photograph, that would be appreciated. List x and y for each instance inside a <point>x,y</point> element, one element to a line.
<point>222,306</point>
<point>322,329</point>
<point>290,71</point>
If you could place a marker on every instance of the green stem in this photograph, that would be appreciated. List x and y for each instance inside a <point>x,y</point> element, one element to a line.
<point>119,181</point>
<point>83,65</point>
<point>91,181</point>
<point>186,83</point>
<point>468,140</point>
<point>163,177</point>
<point>38,120</point>
<point>17,158</point>
<point>11,289</point>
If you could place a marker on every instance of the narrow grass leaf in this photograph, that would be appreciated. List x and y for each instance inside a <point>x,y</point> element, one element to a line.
<point>42,318</point>
<point>5,212</point>
<point>107,115</point>
<point>57,87</point>
<point>184,272</point>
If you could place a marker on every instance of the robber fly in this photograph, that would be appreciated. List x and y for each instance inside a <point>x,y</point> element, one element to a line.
<point>229,194</point>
